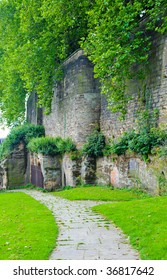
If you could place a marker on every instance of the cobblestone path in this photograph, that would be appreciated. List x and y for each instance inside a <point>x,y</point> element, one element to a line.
<point>83,234</point>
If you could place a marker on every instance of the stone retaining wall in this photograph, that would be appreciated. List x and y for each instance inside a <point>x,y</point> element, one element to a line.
<point>130,171</point>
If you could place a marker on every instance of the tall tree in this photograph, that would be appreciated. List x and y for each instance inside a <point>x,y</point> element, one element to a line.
<point>12,92</point>
<point>36,37</point>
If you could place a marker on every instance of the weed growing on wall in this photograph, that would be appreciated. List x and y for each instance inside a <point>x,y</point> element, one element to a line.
<point>95,144</point>
<point>145,140</point>
<point>141,143</point>
<point>161,151</point>
<point>74,155</point>
<point>120,146</point>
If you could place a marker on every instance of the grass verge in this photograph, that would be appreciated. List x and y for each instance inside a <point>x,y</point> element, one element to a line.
<point>144,221</point>
<point>28,230</point>
<point>99,193</point>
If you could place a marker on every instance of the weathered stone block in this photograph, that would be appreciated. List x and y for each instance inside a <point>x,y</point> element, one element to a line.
<point>130,171</point>
<point>88,170</point>
<point>13,168</point>
<point>71,171</point>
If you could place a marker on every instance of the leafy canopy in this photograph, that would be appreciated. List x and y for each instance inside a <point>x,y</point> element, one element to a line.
<point>119,41</point>
<point>36,36</point>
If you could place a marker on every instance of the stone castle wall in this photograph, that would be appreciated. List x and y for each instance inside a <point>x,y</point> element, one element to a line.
<point>78,107</point>
<point>156,86</point>
<point>76,101</point>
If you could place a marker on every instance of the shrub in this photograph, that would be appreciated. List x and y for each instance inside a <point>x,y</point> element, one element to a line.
<point>121,146</point>
<point>20,134</point>
<point>142,142</point>
<point>65,145</point>
<point>43,145</point>
<point>51,146</point>
<point>95,144</point>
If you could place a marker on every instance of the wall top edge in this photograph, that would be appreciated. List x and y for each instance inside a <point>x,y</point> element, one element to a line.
<point>74,56</point>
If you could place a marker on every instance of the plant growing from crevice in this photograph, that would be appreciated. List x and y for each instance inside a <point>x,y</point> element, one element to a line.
<point>94,145</point>
<point>120,146</point>
<point>142,141</point>
<point>75,155</point>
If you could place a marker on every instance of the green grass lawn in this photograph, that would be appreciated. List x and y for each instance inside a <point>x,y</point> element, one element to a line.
<point>98,193</point>
<point>27,228</point>
<point>144,221</point>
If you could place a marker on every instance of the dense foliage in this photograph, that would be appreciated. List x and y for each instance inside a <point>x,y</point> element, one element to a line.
<point>119,42</point>
<point>141,143</point>
<point>95,145</point>
<point>36,36</point>
<point>51,146</point>
<point>145,139</point>
<point>20,134</point>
